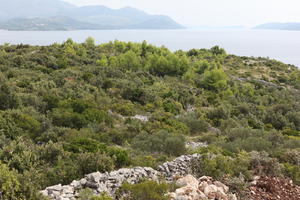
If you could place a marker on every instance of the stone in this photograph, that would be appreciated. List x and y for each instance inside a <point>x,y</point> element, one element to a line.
<point>83,181</point>
<point>232,197</point>
<point>68,189</point>
<point>102,188</point>
<point>62,198</point>
<point>95,177</point>
<point>75,184</point>
<point>222,186</point>
<point>44,192</point>
<point>188,180</point>
<point>55,188</point>
<point>210,191</point>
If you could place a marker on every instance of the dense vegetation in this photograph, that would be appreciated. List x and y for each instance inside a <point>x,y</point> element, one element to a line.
<point>68,109</point>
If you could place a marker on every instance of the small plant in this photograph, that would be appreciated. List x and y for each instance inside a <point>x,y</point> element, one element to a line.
<point>145,190</point>
<point>88,194</point>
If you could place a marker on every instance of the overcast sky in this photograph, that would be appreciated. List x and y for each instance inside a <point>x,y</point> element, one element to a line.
<point>212,12</point>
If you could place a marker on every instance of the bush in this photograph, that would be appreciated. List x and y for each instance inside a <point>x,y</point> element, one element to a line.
<point>195,124</point>
<point>262,164</point>
<point>218,114</point>
<point>88,194</point>
<point>292,171</point>
<point>130,61</point>
<point>85,145</point>
<point>91,162</point>
<point>221,166</point>
<point>171,65</point>
<point>9,185</point>
<point>215,80</point>
<point>119,155</point>
<point>161,141</point>
<point>249,144</point>
<point>9,127</point>
<point>146,190</point>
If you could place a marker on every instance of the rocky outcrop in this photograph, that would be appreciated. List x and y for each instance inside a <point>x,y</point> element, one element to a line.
<point>204,188</point>
<point>110,182</point>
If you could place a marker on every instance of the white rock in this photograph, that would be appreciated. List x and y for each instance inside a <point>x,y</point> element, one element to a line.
<point>75,184</point>
<point>68,189</point>
<point>44,192</point>
<point>188,180</point>
<point>221,186</point>
<point>55,188</point>
<point>95,177</point>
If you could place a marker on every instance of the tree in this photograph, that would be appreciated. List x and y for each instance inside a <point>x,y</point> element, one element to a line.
<point>90,42</point>
<point>215,79</point>
<point>216,50</point>
<point>170,64</point>
<point>130,61</point>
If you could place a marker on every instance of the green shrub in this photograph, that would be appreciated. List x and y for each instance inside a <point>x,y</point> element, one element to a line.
<point>263,164</point>
<point>161,141</point>
<point>85,145</point>
<point>9,184</point>
<point>85,194</point>
<point>171,65</point>
<point>146,190</point>
<point>195,124</point>
<point>292,171</point>
<point>220,166</point>
<point>91,162</point>
<point>215,80</point>
<point>119,155</point>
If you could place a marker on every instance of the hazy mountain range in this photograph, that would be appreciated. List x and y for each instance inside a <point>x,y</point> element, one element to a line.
<point>60,15</point>
<point>279,26</point>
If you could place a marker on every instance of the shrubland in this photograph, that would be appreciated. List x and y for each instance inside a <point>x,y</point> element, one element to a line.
<point>68,109</point>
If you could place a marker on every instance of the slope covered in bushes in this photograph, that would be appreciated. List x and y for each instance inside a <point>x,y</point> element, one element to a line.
<point>70,109</point>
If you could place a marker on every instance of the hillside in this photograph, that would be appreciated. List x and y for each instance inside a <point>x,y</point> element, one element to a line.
<point>67,110</point>
<point>30,14</point>
<point>48,24</point>
<point>279,26</point>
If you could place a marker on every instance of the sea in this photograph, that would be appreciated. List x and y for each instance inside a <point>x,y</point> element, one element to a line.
<point>275,44</point>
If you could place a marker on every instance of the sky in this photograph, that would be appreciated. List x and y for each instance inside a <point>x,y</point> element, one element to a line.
<point>212,12</point>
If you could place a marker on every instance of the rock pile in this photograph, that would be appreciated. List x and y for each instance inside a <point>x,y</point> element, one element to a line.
<point>178,167</point>
<point>203,189</point>
<point>100,182</point>
<point>110,182</point>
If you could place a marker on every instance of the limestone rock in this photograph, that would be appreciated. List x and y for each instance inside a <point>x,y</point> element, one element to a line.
<point>188,180</point>
<point>205,188</point>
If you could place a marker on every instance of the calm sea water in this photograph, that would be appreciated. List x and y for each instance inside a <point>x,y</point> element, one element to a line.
<point>281,45</point>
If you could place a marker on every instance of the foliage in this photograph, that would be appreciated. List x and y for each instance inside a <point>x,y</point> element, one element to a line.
<point>161,141</point>
<point>87,194</point>
<point>146,190</point>
<point>74,108</point>
<point>9,184</point>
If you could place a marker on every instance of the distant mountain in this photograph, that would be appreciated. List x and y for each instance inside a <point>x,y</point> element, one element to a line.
<point>32,8</point>
<point>47,24</point>
<point>279,26</point>
<point>59,15</point>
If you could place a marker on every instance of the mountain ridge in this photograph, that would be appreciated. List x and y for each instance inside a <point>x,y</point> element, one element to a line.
<point>32,12</point>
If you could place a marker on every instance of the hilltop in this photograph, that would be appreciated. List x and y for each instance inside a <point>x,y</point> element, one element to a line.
<point>71,109</point>
<point>60,15</point>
